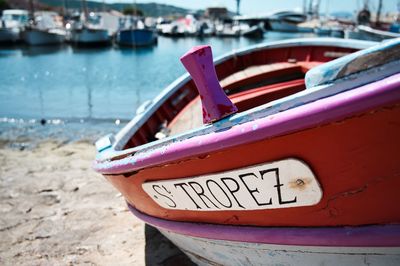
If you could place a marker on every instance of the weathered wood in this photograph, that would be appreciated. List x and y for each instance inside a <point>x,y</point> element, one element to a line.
<point>221,252</point>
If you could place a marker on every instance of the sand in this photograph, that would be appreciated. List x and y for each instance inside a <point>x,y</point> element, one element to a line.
<point>55,210</point>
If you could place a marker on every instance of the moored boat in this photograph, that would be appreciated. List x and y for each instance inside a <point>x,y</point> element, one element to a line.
<point>44,29</point>
<point>87,36</point>
<point>11,24</point>
<point>255,31</point>
<point>136,37</point>
<point>287,21</point>
<point>228,30</point>
<point>34,36</point>
<point>135,34</point>
<point>306,172</point>
<point>363,32</point>
<point>89,31</point>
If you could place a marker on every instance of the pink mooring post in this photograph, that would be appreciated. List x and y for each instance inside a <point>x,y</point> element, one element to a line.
<point>216,105</point>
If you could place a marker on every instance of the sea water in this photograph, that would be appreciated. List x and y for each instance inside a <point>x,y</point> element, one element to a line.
<point>73,93</point>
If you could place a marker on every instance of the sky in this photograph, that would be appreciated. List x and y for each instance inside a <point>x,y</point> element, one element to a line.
<point>260,7</point>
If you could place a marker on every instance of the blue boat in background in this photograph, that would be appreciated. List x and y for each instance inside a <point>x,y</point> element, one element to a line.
<point>136,34</point>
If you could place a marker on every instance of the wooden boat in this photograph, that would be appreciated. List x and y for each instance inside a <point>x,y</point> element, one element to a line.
<point>298,166</point>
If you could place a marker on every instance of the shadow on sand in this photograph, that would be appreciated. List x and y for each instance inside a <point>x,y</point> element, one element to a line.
<point>160,251</point>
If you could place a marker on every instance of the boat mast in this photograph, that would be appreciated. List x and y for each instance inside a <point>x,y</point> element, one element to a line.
<point>305,7</point>
<point>31,11</point>
<point>378,13</point>
<point>63,8</point>
<point>134,9</point>
<point>366,4</point>
<point>364,16</point>
<point>238,7</point>
<point>326,16</point>
<point>310,8</point>
<point>134,22</point>
<point>398,11</point>
<point>85,10</point>
<point>315,10</point>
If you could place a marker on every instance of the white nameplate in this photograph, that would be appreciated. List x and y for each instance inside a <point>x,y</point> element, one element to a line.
<point>282,184</point>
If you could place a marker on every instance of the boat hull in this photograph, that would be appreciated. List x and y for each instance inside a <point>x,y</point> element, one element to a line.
<point>254,32</point>
<point>209,244</point>
<point>370,34</point>
<point>136,37</point>
<point>39,37</point>
<point>281,25</point>
<point>203,251</point>
<point>89,37</point>
<point>9,35</point>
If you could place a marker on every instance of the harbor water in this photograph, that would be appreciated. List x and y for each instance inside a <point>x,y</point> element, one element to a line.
<point>70,93</point>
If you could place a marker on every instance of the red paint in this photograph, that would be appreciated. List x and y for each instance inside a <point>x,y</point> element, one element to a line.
<point>355,160</point>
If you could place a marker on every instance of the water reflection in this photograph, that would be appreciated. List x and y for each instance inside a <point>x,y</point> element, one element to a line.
<point>89,50</point>
<point>96,83</point>
<point>26,50</point>
<point>43,50</point>
<point>135,50</point>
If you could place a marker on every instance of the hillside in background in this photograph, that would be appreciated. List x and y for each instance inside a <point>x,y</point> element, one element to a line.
<point>149,9</point>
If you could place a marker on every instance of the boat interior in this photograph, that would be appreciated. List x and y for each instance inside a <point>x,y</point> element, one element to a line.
<point>250,80</point>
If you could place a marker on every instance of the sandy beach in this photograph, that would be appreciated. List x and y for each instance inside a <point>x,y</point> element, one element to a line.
<point>55,210</point>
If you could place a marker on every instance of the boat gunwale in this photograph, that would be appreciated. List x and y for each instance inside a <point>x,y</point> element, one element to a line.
<point>268,125</point>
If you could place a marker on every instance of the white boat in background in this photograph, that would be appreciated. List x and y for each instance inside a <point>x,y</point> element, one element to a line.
<point>373,31</point>
<point>44,37</point>
<point>11,24</point>
<point>228,30</point>
<point>90,30</point>
<point>287,21</point>
<point>173,29</point>
<point>363,32</point>
<point>46,29</point>
<point>187,26</point>
<point>255,31</point>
